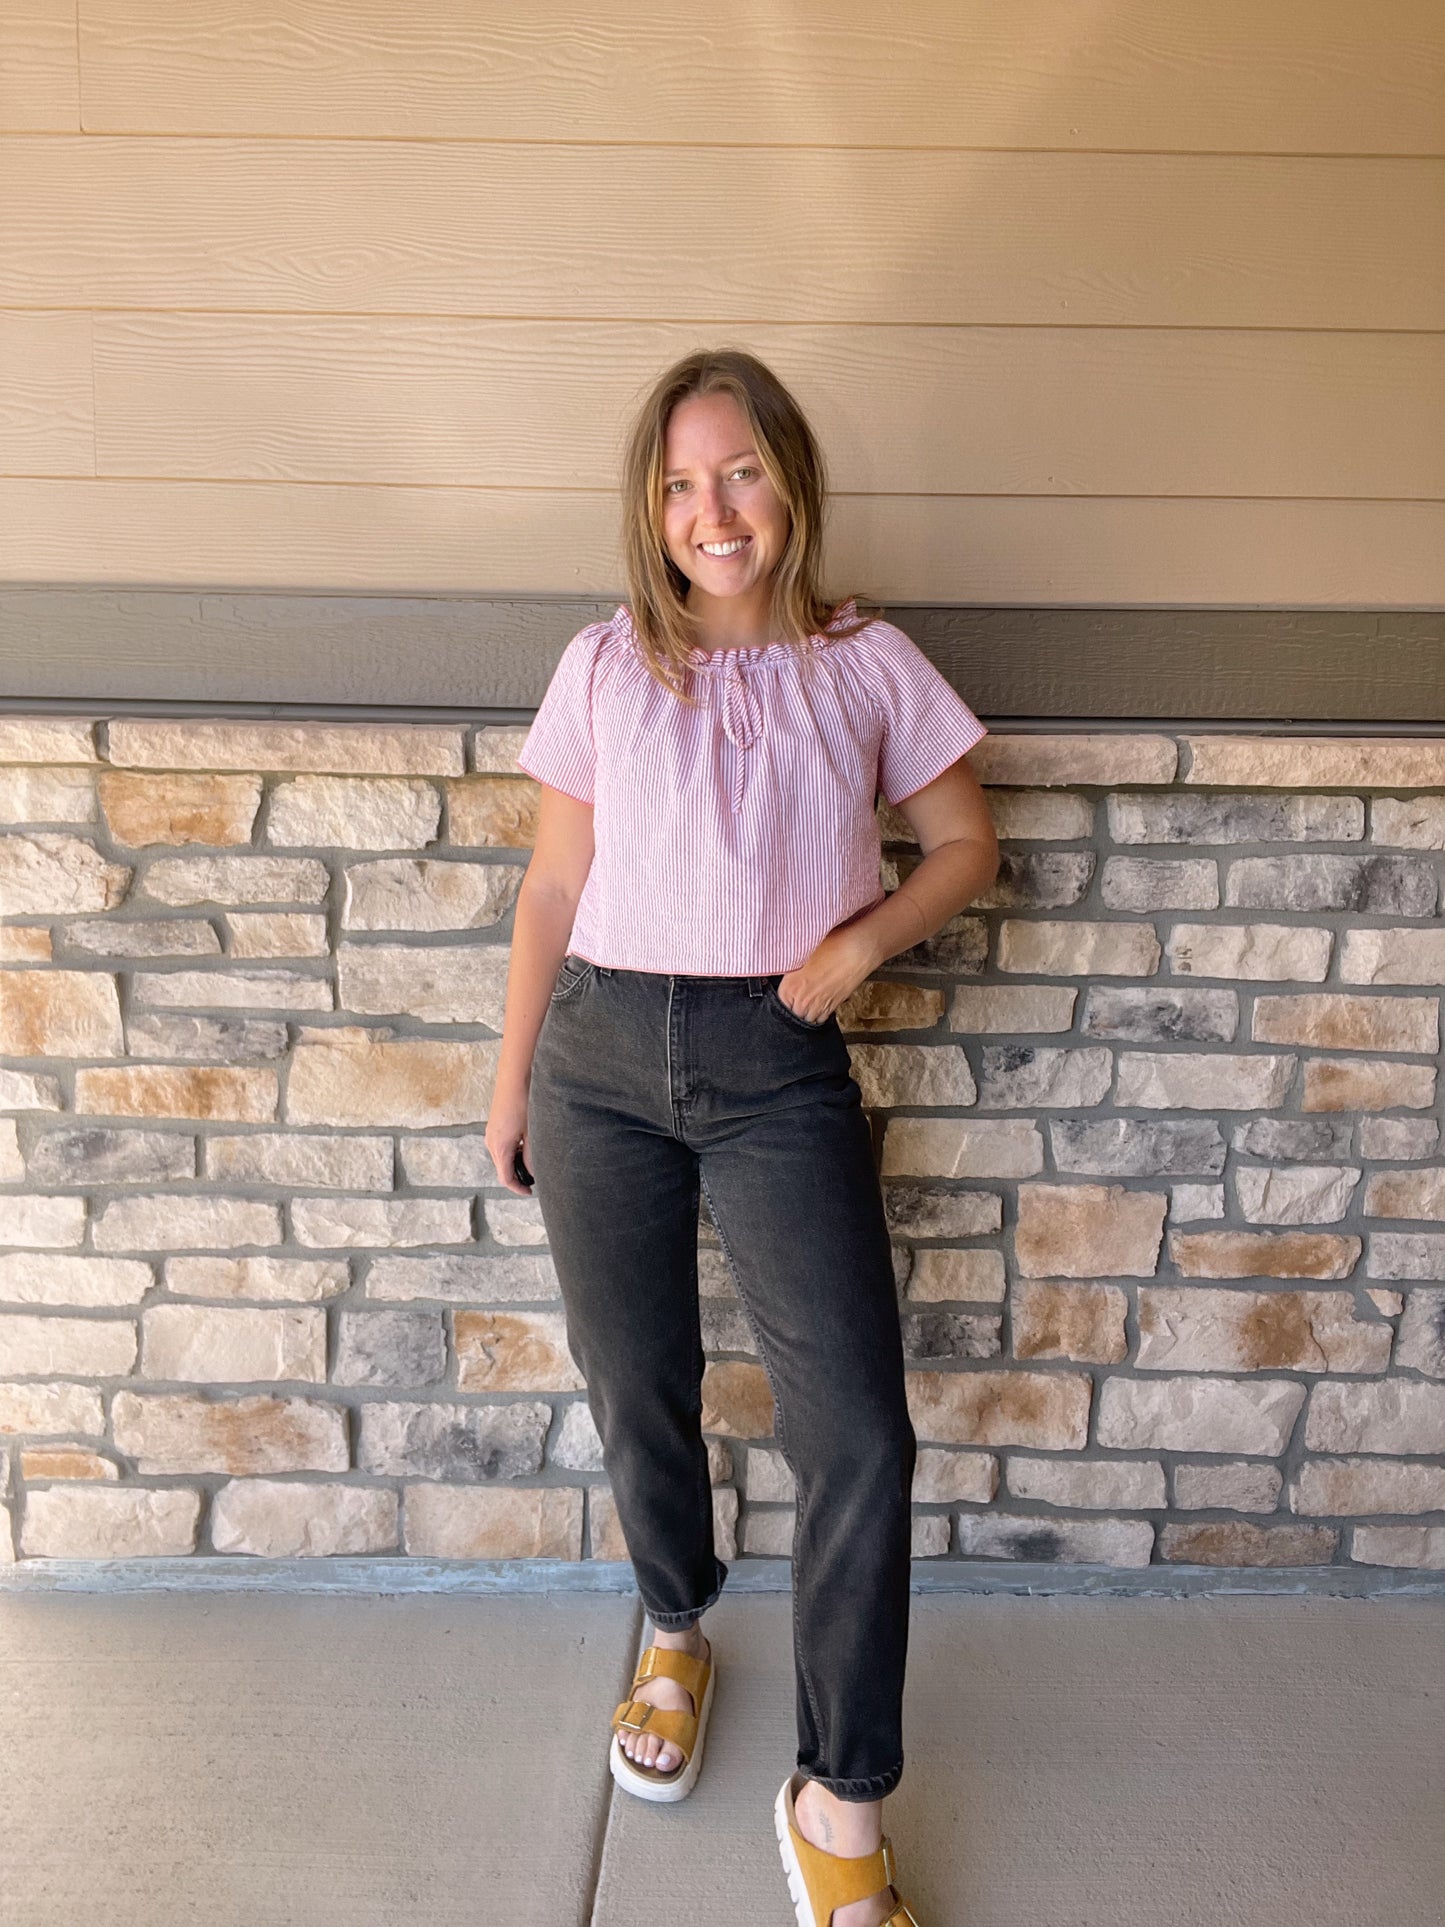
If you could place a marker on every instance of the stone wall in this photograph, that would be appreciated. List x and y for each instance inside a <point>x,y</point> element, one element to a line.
<point>1157,1118</point>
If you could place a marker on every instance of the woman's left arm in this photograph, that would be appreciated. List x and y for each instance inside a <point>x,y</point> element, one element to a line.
<point>954,826</point>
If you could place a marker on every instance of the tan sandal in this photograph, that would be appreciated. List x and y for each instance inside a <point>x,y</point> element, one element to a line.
<point>674,1724</point>
<point>822,1882</point>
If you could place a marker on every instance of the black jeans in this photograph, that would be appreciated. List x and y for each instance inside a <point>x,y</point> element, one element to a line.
<point>645,1086</point>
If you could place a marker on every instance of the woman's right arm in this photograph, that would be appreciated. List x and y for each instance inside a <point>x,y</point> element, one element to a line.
<point>541,924</point>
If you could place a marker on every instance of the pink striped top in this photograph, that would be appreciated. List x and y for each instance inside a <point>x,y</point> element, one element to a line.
<point>731,838</point>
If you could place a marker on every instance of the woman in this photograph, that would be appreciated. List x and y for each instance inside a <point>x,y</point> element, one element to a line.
<point>703,895</point>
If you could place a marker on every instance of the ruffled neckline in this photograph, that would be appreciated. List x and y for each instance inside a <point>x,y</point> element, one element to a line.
<point>718,661</point>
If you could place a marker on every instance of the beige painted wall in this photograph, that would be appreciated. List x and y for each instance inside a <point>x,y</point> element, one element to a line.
<point>1138,303</point>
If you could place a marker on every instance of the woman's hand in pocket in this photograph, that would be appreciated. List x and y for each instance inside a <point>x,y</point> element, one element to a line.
<point>843,960</point>
<point>506,1140</point>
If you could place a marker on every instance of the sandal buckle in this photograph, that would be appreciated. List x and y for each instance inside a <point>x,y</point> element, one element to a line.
<point>636,1726</point>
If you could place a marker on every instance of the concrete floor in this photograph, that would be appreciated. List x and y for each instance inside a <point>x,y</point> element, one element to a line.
<point>255,1760</point>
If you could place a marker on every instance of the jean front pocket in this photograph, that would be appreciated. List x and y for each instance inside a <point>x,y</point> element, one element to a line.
<point>793,1016</point>
<point>570,978</point>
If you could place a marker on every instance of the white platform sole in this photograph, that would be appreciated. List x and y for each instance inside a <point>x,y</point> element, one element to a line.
<point>643,1784</point>
<point>797,1888</point>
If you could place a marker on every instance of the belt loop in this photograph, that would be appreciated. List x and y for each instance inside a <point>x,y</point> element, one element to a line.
<point>756,986</point>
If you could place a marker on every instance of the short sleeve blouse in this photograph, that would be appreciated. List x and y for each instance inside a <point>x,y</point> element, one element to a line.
<point>731,837</point>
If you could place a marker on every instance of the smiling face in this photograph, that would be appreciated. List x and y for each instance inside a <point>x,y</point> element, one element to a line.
<point>724,523</point>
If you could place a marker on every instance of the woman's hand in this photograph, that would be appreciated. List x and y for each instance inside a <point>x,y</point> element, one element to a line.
<point>843,960</point>
<point>506,1136</point>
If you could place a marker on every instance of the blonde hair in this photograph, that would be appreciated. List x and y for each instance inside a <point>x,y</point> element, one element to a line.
<point>790,457</point>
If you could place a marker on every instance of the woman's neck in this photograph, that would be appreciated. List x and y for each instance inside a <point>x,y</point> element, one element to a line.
<point>732,622</point>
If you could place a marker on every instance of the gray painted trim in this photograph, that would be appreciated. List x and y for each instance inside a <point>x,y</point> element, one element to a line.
<point>750,1575</point>
<point>101,646</point>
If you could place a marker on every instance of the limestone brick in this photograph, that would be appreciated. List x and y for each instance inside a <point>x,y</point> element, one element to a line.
<point>1160,883</point>
<point>1365,1084</point>
<point>514,1351</point>
<point>172,808</point>
<point>397,1348</point>
<point>1420,1346</point>
<point>298,1280</point>
<point>32,1345</point>
<point>229,1344</point>
<point>1232,1486</point>
<point>1417,1193</point>
<point>737,1400</point>
<point>1396,1415</point>
<point>62,1462</point>
<point>256,1432</point>
<point>59,1013</point>
<point>1078,949</point>
<point>1190,1328</point>
<point>66,1278</point>
<point>1088,1231</point>
<point>1260,952</point>
<point>25,943</point>
<point>380,749</point>
<point>143,937</point>
<point>167,1090</point>
<point>40,1222</point>
<point>35,794</point>
<point>1015,1008</point>
<point>1264,1254</point>
<point>1129,1484</point>
<point>428,893</point>
<point>183,1222</point>
<point>1090,1542</point>
<point>356,1078</point>
<point>449,1522</point>
<point>277,933</point>
<point>353,813</point>
<point>970,1276</point>
<point>1340,1488</point>
<point>46,873</point>
<point>941,1476</point>
<point>290,1519</point>
<point>1049,1410</point>
<point>1339,1021</point>
<point>1034,1076</point>
<point>949,1147</point>
<point>1080,1322</point>
<point>1408,822</point>
<point>339,1223</point>
<point>46,739</point>
<point>1296,1193</point>
<point>1070,761</point>
<point>109,1522</point>
<point>1202,1080</point>
<point>932,1074</point>
<point>1303,762</point>
<point>1393,956</point>
<point>38,1409</point>
<point>1416,1546</point>
<point>450,984</point>
<point>321,1161</point>
<point>1198,1414</point>
<point>465,1278</point>
<point>1238,1542</point>
<point>455,1442</point>
<point>226,880</point>
<point>1036,816</point>
<point>492,811</point>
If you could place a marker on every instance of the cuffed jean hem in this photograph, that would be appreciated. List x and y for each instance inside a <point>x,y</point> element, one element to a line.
<point>875,1787</point>
<point>679,1622</point>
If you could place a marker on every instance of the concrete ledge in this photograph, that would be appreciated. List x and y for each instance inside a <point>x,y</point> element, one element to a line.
<point>384,1576</point>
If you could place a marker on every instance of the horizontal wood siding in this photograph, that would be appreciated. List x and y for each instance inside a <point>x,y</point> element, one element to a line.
<point>1134,311</point>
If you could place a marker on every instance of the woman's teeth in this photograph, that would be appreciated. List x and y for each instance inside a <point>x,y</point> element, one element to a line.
<point>725,548</point>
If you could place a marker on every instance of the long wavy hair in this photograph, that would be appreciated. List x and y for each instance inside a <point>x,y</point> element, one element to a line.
<point>789,454</point>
